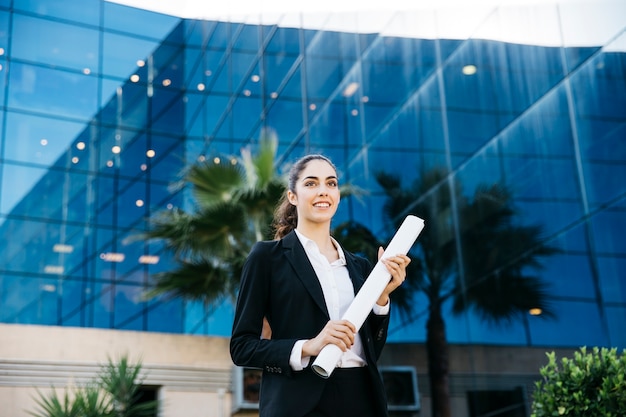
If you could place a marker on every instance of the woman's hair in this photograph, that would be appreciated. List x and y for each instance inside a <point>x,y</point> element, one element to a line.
<point>285,215</point>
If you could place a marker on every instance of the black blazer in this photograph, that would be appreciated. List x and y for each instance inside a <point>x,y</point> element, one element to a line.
<point>279,282</point>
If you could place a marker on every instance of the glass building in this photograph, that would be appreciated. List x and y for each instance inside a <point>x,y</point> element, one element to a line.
<point>103,105</point>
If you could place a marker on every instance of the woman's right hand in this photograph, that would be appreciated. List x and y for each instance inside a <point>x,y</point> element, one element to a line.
<point>336,332</point>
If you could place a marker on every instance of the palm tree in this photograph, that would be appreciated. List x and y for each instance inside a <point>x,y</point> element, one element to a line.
<point>470,253</point>
<point>235,200</point>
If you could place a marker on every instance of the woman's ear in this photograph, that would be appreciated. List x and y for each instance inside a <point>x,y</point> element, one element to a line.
<point>292,197</point>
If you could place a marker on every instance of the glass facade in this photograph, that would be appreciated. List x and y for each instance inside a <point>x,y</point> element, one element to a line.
<point>103,105</point>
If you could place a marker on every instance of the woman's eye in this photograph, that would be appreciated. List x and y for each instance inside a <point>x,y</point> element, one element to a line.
<point>309,184</point>
<point>332,184</point>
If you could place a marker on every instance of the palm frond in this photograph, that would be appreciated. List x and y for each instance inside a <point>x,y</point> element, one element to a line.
<point>215,183</point>
<point>195,281</point>
<point>53,405</point>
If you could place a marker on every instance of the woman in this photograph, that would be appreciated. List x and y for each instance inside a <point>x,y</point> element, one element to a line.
<point>301,284</point>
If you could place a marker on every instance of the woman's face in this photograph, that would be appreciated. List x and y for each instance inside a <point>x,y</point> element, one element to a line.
<point>316,196</point>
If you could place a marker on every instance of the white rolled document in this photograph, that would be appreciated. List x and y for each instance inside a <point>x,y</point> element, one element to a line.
<point>369,293</point>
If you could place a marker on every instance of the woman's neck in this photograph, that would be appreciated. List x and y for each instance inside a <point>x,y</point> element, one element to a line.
<point>320,234</point>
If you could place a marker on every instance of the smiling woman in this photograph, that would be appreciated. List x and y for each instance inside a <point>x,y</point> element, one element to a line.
<point>300,285</point>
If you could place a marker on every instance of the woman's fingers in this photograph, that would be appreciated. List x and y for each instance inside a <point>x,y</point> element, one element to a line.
<point>340,333</point>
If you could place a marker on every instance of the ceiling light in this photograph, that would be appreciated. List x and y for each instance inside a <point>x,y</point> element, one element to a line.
<point>61,248</point>
<point>535,311</point>
<point>350,89</point>
<point>48,288</point>
<point>469,69</point>
<point>134,78</point>
<point>112,257</point>
<point>80,146</point>
<point>53,269</point>
<point>149,259</point>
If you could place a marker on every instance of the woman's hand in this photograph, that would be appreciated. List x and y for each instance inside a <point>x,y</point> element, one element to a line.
<point>396,265</point>
<point>336,332</point>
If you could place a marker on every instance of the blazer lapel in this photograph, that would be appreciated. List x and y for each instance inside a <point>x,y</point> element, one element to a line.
<point>295,254</point>
<point>357,279</point>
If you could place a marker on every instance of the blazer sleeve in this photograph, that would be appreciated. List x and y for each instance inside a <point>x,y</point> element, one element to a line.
<point>247,348</point>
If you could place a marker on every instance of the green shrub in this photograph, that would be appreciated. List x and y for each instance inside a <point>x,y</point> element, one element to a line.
<point>590,384</point>
<point>113,393</point>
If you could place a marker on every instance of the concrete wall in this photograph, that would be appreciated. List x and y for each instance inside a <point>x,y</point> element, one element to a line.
<point>195,372</point>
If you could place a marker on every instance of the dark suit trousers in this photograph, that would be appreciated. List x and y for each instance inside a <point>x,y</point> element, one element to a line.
<point>348,393</point>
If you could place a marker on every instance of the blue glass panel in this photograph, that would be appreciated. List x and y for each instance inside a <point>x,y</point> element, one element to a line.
<point>46,90</point>
<point>554,216</point>
<point>130,210</point>
<point>481,332</point>
<point>83,11</point>
<point>55,44</point>
<point>545,129</point>
<point>195,318</point>
<point>612,284</point>
<point>137,21</point>
<point>165,316</point>
<point>28,300</point>
<point>410,329</point>
<point>248,39</point>
<point>4,33</point>
<point>38,140</point>
<point>285,119</point>
<point>323,77</point>
<point>220,321</point>
<point>284,41</point>
<point>403,131</point>
<point>168,112</point>
<point>16,182</point>
<point>328,127</point>
<point>292,88</point>
<point>197,32</point>
<point>604,182</point>
<point>246,113</point>
<point>127,305</point>
<point>3,66</point>
<point>568,275</point>
<point>616,317</point>
<point>565,329</point>
<point>122,56</point>
<point>276,68</point>
<point>532,178</point>
<point>101,306</point>
<point>602,140</point>
<point>221,37</point>
<point>72,297</point>
<point>608,227</point>
<point>598,88</point>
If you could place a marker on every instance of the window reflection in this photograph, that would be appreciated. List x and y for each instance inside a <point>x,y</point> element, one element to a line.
<point>99,121</point>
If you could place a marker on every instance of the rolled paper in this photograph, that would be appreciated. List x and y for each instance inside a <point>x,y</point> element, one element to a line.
<point>369,293</point>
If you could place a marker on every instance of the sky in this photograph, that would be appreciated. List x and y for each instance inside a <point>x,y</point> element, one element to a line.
<point>207,9</point>
<point>456,19</point>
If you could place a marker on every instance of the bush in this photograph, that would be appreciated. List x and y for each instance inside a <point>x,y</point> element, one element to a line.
<point>113,393</point>
<point>591,384</point>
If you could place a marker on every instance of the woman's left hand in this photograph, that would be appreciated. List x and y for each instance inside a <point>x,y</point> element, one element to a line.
<point>396,265</point>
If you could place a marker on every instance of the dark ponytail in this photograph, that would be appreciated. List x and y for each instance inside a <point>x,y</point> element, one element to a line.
<point>286,215</point>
